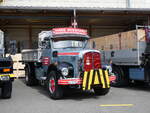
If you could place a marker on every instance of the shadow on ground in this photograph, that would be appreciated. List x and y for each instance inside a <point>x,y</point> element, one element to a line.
<point>73,94</point>
<point>140,86</point>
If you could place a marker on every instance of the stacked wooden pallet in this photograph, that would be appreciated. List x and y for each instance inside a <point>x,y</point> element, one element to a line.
<point>18,66</point>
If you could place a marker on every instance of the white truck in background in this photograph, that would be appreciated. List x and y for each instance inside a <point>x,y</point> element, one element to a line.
<point>128,53</point>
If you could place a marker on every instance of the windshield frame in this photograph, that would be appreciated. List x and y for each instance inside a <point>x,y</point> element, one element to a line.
<point>83,40</point>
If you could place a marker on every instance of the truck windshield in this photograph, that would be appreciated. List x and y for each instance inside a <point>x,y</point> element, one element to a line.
<point>68,44</point>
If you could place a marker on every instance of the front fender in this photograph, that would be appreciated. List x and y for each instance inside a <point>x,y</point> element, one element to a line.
<point>66,65</point>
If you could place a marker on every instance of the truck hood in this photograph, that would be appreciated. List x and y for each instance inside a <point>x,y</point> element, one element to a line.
<point>73,59</point>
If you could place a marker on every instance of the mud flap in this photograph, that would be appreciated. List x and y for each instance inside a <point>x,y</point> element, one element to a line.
<point>95,77</point>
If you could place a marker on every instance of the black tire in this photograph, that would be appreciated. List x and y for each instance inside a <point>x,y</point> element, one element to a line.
<point>101,91</point>
<point>7,90</point>
<point>55,91</point>
<point>120,78</point>
<point>30,79</point>
<point>138,83</point>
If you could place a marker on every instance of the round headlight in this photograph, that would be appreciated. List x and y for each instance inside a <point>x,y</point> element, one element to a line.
<point>64,71</point>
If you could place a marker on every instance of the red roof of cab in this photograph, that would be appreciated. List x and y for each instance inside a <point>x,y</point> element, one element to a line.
<point>58,31</point>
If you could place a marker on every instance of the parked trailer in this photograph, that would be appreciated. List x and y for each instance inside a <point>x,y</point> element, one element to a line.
<point>128,53</point>
<point>6,70</point>
<point>63,60</point>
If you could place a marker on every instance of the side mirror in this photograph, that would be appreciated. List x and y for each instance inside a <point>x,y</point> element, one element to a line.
<point>55,54</point>
<point>112,54</point>
<point>93,45</point>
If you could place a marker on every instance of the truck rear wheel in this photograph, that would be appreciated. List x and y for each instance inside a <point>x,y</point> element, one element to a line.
<point>120,78</point>
<point>30,75</point>
<point>55,91</point>
<point>101,91</point>
<point>7,89</point>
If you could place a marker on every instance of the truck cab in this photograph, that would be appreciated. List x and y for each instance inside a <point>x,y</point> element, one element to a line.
<point>64,59</point>
<point>6,70</point>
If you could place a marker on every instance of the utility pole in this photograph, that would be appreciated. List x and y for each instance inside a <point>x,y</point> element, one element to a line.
<point>74,24</point>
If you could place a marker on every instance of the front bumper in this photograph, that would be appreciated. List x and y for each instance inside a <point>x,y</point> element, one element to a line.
<point>70,81</point>
<point>94,77</point>
<point>6,77</point>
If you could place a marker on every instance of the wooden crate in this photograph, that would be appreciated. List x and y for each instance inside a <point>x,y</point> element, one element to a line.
<point>129,39</point>
<point>141,35</point>
<point>100,43</point>
<point>112,42</point>
<point>119,41</point>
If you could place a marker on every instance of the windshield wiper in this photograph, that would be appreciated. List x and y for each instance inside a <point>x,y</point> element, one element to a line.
<point>85,45</point>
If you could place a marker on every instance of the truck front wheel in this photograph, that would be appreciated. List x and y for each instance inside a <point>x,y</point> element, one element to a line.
<point>7,89</point>
<point>120,77</point>
<point>55,91</point>
<point>101,91</point>
<point>30,76</point>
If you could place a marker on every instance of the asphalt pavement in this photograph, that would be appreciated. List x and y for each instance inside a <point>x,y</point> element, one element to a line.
<point>132,99</point>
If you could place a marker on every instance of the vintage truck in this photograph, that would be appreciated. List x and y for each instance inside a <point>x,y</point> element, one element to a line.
<point>64,60</point>
<point>6,70</point>
<point>129,55</point>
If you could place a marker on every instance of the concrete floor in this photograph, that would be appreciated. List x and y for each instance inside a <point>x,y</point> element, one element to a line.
<point>36,100</point>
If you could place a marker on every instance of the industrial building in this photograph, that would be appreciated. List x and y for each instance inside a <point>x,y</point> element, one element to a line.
<point>22,20</point>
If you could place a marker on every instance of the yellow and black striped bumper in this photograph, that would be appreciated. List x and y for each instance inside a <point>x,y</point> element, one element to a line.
<point>95,77</point>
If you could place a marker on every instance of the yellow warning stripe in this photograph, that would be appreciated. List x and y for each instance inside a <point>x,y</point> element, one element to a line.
<point>109,105</point>
<point>96,81</point>
<point>90,80</point>
<point>95,78</point>
<point>102,78</point>
<point>84,80</point>
<point>107,78</point>
<point>10,75</point>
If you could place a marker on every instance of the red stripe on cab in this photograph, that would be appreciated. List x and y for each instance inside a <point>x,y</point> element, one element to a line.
<point>74,53</point>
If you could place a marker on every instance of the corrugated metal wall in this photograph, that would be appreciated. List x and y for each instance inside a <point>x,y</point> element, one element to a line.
<point>140,3</point>
<point>67,3</point>
<point>22,37</point>
<point>78,3</point>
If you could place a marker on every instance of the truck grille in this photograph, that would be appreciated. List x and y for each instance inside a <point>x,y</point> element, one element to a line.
<point>5,63</point>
